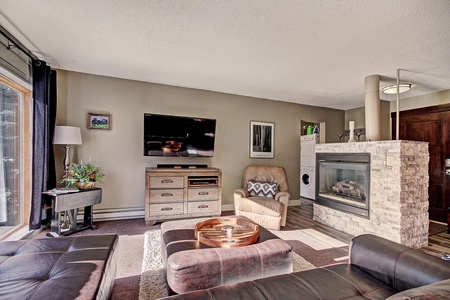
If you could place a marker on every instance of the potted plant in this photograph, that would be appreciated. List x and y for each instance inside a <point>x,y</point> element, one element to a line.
<point>83,175</point>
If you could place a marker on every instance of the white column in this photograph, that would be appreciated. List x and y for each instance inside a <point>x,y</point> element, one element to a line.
<point>372,108</point>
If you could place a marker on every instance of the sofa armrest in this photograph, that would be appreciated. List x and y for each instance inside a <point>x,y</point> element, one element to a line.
<point>241,192</point>
<point>283,197</point>
<point>396,265</point>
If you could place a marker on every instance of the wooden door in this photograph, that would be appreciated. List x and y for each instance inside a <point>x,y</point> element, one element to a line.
<point>431,125</point>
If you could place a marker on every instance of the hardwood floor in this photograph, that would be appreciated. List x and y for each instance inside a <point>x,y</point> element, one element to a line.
<point>301,217</point>
<point>438,244</point>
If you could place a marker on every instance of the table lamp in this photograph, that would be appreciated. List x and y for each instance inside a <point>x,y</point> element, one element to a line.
<point>67,135</point>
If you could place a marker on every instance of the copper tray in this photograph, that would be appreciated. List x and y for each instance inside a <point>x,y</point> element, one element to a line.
<point>216,232</point>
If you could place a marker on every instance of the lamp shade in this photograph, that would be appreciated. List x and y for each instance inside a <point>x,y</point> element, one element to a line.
<point>67,135</point>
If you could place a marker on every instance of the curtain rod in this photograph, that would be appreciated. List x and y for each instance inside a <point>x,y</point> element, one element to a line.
<point>18,44</point>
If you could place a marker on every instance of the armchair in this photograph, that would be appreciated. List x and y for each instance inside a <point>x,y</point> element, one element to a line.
<point>263,196</point>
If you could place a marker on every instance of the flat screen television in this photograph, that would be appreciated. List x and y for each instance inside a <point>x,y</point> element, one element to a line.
<point>178,136</point>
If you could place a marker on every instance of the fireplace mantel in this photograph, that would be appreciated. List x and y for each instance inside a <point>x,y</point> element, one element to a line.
<point>398,192</point>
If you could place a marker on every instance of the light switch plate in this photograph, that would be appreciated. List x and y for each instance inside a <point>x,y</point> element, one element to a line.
<point>389,161</point>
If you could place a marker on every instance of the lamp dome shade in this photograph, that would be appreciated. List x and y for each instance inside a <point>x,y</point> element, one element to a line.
<point>67,135</point>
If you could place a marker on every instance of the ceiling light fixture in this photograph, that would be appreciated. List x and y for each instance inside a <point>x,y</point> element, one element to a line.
<point>392,89</point>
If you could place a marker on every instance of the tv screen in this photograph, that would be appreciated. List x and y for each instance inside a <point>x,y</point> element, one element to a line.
<point>177,136</point>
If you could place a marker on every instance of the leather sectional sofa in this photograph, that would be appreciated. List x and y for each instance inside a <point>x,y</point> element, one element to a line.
<point>82,267</point>
<point>377,269</point>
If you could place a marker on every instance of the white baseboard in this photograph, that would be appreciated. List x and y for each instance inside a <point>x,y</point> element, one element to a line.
<point>227,207</point>
<point>295,202</point>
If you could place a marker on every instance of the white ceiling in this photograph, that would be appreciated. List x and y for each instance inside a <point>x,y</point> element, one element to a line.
<point>315,52</point>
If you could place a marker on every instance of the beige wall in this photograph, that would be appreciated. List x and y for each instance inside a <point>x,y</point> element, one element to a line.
<point>120,151</point>
<point>359,116</point>
<point>433,99</point>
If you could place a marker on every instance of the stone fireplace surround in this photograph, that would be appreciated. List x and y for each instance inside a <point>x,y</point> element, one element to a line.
<point>398,192</point>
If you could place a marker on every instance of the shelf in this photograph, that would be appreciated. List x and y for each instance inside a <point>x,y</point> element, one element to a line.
<point>201,181</point>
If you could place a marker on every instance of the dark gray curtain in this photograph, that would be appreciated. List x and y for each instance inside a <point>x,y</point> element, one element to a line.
<point>44,115</point>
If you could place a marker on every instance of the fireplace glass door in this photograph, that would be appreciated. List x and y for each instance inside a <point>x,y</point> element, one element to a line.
<point>343,182</point>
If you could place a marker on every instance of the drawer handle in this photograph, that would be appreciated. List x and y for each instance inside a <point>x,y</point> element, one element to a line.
<point>166,195</point>
<point>167,181</point>
<point>203,193</point>
<point>203,206</point>
<point>166,208</point>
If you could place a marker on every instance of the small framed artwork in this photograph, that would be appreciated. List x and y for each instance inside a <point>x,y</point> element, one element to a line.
<point>261,139</point>
<point>96,121</point>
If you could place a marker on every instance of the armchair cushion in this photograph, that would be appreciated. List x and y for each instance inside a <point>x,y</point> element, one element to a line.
<point>262,189</point>
<point>261,206</point>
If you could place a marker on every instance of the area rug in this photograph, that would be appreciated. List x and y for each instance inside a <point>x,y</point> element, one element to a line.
<point>310,237</point>
<point>153,282</point>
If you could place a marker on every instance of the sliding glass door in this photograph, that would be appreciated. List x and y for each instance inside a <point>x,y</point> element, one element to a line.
<point>10,208</point>
<point>14,158</point>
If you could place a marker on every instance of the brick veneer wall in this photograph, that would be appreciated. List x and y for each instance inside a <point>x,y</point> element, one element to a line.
<point>398,193</point>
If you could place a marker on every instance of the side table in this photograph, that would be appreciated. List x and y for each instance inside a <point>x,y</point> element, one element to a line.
<point>69,203</point>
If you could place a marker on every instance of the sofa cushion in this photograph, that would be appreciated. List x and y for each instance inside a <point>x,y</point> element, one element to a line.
<point>262,173</point>
<point>438,290</point>
<point>261,206</point>
<point>262,189</point>
<point>58,268</point>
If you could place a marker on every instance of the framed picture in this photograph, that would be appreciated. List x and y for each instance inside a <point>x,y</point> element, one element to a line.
<point>261,139</point>
<point>96,121</point>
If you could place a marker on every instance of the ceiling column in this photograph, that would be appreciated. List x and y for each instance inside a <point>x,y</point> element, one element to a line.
<point>372,107</point>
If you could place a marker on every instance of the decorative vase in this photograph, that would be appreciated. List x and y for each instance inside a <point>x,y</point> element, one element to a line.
<point>85,185</point>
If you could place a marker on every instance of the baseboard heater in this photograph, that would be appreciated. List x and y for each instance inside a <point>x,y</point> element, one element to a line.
<point>114,214</point>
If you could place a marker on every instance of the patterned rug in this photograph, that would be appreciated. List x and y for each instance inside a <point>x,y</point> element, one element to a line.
<point>153,282</point>
<point>310,237</point>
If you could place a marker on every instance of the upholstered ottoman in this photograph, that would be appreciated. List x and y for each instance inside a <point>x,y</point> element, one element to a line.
<point>191,265</point>
<point>81,267</point>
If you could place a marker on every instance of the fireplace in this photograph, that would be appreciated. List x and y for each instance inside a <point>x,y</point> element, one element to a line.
<point>343,181</point>
<point>398,204</point>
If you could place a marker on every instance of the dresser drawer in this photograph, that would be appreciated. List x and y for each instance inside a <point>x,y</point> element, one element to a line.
<point>202,206</point>
<point>202,194</point>
<point>166,182</point>
<point>166,209</point>
<point>166,195</point>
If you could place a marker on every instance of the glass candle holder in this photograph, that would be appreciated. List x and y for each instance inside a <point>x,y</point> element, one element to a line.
<point>227,230</point>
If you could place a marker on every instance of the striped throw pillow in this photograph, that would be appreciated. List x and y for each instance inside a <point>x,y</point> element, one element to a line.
<point>262,189</point>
